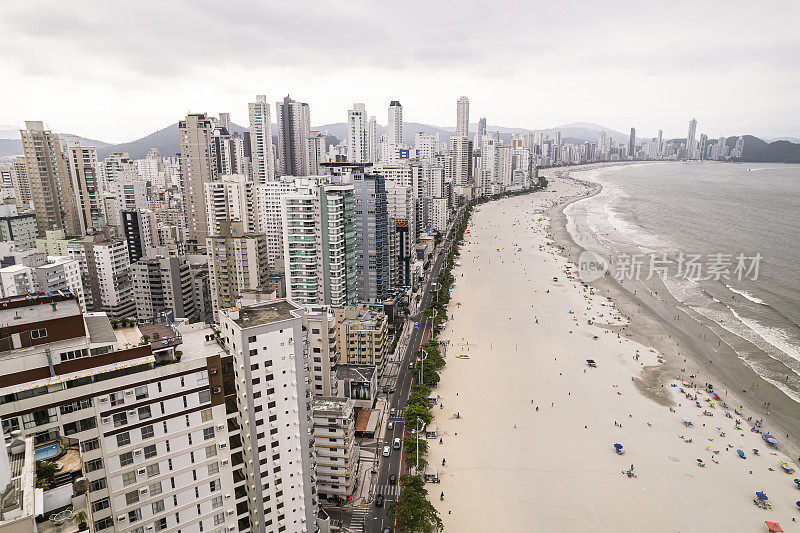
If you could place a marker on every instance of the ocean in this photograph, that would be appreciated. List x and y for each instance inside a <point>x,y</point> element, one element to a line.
<point>739,222</point>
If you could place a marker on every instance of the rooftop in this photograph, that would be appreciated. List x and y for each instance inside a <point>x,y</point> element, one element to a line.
<point>30,308</point>
<point>99,328</point>
<point>330,404</point>
<point>199,341</point>
<point>355,372</point>
<point>161,335</point>
<point>264,313</point>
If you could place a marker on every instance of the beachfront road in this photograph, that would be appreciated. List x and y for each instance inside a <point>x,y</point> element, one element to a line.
<point>378,520</point>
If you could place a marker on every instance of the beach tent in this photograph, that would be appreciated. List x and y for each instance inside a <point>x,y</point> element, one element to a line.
<point>687,421</point>
<point>774,526</point>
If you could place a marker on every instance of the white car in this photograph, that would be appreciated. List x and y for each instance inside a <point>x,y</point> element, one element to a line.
<point>390,426</point>
<point>386,451</point>
<point>396,443</point>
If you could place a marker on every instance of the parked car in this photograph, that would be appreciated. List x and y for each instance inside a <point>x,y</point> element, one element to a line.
<point>379,500</point>
<point>392,479</point>
<point>387,451</point>
<point>390,426</point>
<point>396,444</point>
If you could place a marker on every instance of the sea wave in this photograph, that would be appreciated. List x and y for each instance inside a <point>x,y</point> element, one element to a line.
<point>774,336</point>
<point>746,295</point>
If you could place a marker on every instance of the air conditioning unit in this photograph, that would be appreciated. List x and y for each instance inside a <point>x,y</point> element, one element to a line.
<point>228,495</point>
<point>214,371</point>
<point>103,399</point>
<point>106,419</point>
<point>121,518</point>
<point>131,413</point>
<point>230,512</point>
<point>141,471</point>
<point>137,452</point>
<point>231,528</point>
<point>128,393</point>
<point>143,490</point>
<point>149,528</point>
<point>222,444</point>
<point>221,427</point>
<point>217,390</point>
<point>224,462</point>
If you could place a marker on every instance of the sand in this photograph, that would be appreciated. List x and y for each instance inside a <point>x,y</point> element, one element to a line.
<point>510,467</point>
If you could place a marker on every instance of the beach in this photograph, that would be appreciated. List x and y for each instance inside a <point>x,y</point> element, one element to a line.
<point>528,427</point>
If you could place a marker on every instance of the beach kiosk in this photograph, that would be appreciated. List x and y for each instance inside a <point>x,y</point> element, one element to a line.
<point>431,474</point>
<point>431,431</point>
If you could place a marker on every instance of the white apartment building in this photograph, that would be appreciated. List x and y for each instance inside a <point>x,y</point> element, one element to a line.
<point>357,140</point>
<point>270,216</point>
<point>335,449</point>
<point>440,215</point>
<point>426,146</point>
<point>266,341</point>
<point>18,227</point>
<point>320,325</point>
<point>261,151</point>
<point>106,273</point>
<point>231,199</point>
<point>319,245</point>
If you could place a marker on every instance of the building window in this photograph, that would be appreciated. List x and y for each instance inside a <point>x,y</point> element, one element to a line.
<point>158,506</point>
<point>38,333</point>
<point>117,398</point>
<point>120,419</point>
<point>213,468</point>
<point>150,451</point>
<point>103,523</point>
<point>205,396</point>
<point>100,504</point>
<point>148,432</point>
<point>90,444</point>
<point>123,439</point>
<point>92,465</point>
<point>128,478</point>
<point>208,433</point>
<point>142,392</point>
<point>131,497</point>
<point>211,450</point>
<point>160,524</point>
<point>80,425</point>
<point>153,470</point>
<point>135,515</point>
<point>126,459</point>
<point>39,418</point>
<point>97,484</point>
<point>144,412</point>
<point>155,488</point>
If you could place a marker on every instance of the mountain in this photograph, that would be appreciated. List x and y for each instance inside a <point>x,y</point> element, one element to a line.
<point>11,143</point>
<point>755,150</point>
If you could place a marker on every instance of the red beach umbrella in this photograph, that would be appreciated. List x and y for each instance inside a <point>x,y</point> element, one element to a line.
<point>774,526</point>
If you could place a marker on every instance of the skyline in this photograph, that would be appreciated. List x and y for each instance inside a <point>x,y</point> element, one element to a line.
<point>540,68</point>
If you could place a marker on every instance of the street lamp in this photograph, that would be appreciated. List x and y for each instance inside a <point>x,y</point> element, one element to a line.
<point>422,364</point>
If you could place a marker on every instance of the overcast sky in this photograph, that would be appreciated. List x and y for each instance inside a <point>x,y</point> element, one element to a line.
<point>116,71</point>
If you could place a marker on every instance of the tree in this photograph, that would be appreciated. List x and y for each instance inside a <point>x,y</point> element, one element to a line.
<point>412,510</point>
<point>412,412</point>
<point>410,445</point>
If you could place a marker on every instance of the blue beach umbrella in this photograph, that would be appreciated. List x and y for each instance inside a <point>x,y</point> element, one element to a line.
<point>761,496</point>
<point>618,446</point>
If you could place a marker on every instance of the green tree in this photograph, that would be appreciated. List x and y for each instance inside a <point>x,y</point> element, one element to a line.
<point>415,411</point>
<point>412,510</point>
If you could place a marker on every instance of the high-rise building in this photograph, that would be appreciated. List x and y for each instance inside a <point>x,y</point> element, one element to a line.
<point>372,139</point>
<point>261,151</point>
<point>22,187</point>
<point>462,117</point>
<point>319,244</point>
<point>50,186</point>
<point>426,145</point>
<point>316,151</point>
<point>266,341</point>
<point>231,199</point>
<point>461,154</point>
<point>294,125</point>
<point>400,208</point>
<point>82,165</point>
<point>198,167</point>
<point>238,263</point>
<point>335,452</point>
<point>632,144</point>
<point>270,215</point>
<point>105,272</point>
<point>140,230</point>
<point>394,130</point>
<point>659,141</point>
<point>703,146</point>
<point>691,143</point>
<point>372,233</point>
<point>361,334</point>
<point>481,132</point>
<point>17,227</point>
<point>163,284</point>
<point>320,327</point>
<point>357,135</point>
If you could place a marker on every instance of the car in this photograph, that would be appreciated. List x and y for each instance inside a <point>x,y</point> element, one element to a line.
<point>396,444</point>
<point>379,500</point>
<point>387,451</point>
<point>392,479</point>
<point>390,426</point>
<point>392,411</point>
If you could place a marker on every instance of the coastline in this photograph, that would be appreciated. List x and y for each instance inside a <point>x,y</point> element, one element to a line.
<point>654,324</point>
<point>524,421</point>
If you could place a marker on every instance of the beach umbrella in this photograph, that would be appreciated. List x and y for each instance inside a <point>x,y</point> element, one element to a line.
<point>774,526</point>
<point>761,496</point>
<point>687,420</point>
<point>797,482</point>
<point>708,446</point>
<point>618,446</point>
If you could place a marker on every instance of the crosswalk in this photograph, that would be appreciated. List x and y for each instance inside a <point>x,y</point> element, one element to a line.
<point>358,518</point>
<point>387,490</point>
<point>398,415</point>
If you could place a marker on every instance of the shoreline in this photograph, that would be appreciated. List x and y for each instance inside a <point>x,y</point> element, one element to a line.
<point>651,321</point>
<point>523,417</point>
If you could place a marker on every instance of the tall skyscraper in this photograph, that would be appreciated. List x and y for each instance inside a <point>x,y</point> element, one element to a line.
<point>660,142</point>
<point>461,152</point>
<point>51,189</point>
<point>394,131</point>
<point>703,146</point>
<point>294,126</point>
<point>462,117</point>
<point>372,236</point>
<point>319,244</point>
<point>82,164</point>
<point>691,143</point>
<point>373,140</point>
<point>632,144</point>
<point>261,154</point>
<point>481,131</point>
<point>316,151</point>
<point>357,138</point>
<point>198,167</point>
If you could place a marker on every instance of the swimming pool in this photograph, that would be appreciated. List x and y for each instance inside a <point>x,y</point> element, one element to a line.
<point>46,452</point>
